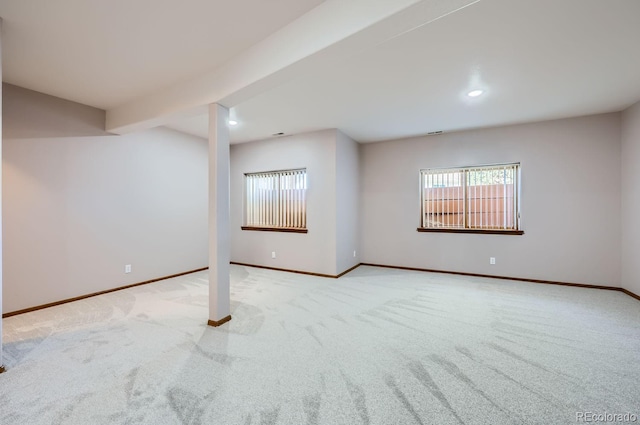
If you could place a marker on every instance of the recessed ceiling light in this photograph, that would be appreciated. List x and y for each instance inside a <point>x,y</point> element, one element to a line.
<point>233,122</point>
<point>475,93</point>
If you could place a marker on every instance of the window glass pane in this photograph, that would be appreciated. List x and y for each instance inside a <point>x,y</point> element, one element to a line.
<point>443,202</point>
<point>276,199</point>
<point>491,196</point>
<point>471,198</point>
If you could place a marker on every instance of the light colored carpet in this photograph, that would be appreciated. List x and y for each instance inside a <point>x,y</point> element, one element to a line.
<point>377,346</point>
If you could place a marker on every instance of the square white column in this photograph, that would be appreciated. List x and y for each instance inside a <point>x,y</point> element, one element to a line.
<point>219,231</point>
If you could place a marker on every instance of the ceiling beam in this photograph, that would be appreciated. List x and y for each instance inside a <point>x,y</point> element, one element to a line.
<point>329,33</point>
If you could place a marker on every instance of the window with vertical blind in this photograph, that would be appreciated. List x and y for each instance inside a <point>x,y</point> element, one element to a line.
<point>483,199</point>
<point>276,200</point>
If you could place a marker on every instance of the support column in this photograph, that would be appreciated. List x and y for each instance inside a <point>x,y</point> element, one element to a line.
<point>1,364</point>
<point>219,232</point>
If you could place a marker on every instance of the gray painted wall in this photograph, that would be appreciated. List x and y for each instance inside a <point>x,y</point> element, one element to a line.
<point>631,198</point>
<point>54,117</point>
<point>347,202</point>
<point>1,238</point>
<point>570,201</point>
<point>311,252</point>
<point>80,204</point>
<point>77,209</point>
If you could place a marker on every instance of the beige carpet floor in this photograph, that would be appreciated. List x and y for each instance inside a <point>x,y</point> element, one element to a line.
<point>377,346</point>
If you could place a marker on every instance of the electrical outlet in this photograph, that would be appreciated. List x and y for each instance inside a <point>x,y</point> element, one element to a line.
<point>492,260</point>
<point>273,254</point>
<point>354,253</point>
<point>127,268</point>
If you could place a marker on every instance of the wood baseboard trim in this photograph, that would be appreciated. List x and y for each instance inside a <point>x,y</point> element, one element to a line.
<point>94,294</point>
<point>226,319</point>
<point>348,270</point>
<point>332,276</point>
<point>216,323</point>
<point>283,270</point>
<point>521,279</point>
<point>631,294</point>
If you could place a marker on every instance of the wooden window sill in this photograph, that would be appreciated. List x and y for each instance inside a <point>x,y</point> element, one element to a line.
<point>275,229</point>
<point>476,231</point>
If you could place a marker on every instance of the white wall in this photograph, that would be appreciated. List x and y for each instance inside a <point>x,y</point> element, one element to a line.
<point>77,209</point>
<point>314,251</point>
<point>347,202</point>
<point>631,199</point>
<point>570,201</point>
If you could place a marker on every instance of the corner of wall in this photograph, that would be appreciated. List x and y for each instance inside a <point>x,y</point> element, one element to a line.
<point>347,202</point>
<point>313,252</point>
<point>1,265</point>
<point>630,197</point>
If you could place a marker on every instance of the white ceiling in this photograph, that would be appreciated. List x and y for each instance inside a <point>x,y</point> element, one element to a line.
<point>106,52</point>
<point>400,74</point>
<point>535,59</point>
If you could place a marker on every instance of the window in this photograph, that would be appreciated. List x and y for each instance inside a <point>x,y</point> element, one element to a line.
<point>471,199</point>
<point>276,200</point>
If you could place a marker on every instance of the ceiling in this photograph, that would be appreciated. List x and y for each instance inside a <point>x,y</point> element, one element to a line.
<point>535,59</point>
<point>394,77</point>
<point>105,53</point>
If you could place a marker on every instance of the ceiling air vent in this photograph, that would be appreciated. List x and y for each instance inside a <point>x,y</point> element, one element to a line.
<point>434,133</point>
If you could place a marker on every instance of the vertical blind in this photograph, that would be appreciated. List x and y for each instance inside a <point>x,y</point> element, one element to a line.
<point>276,199</point>
<point>471,197</point>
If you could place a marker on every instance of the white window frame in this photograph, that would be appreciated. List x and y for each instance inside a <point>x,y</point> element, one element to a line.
<point>462,209</point>
<point>276,200</point>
